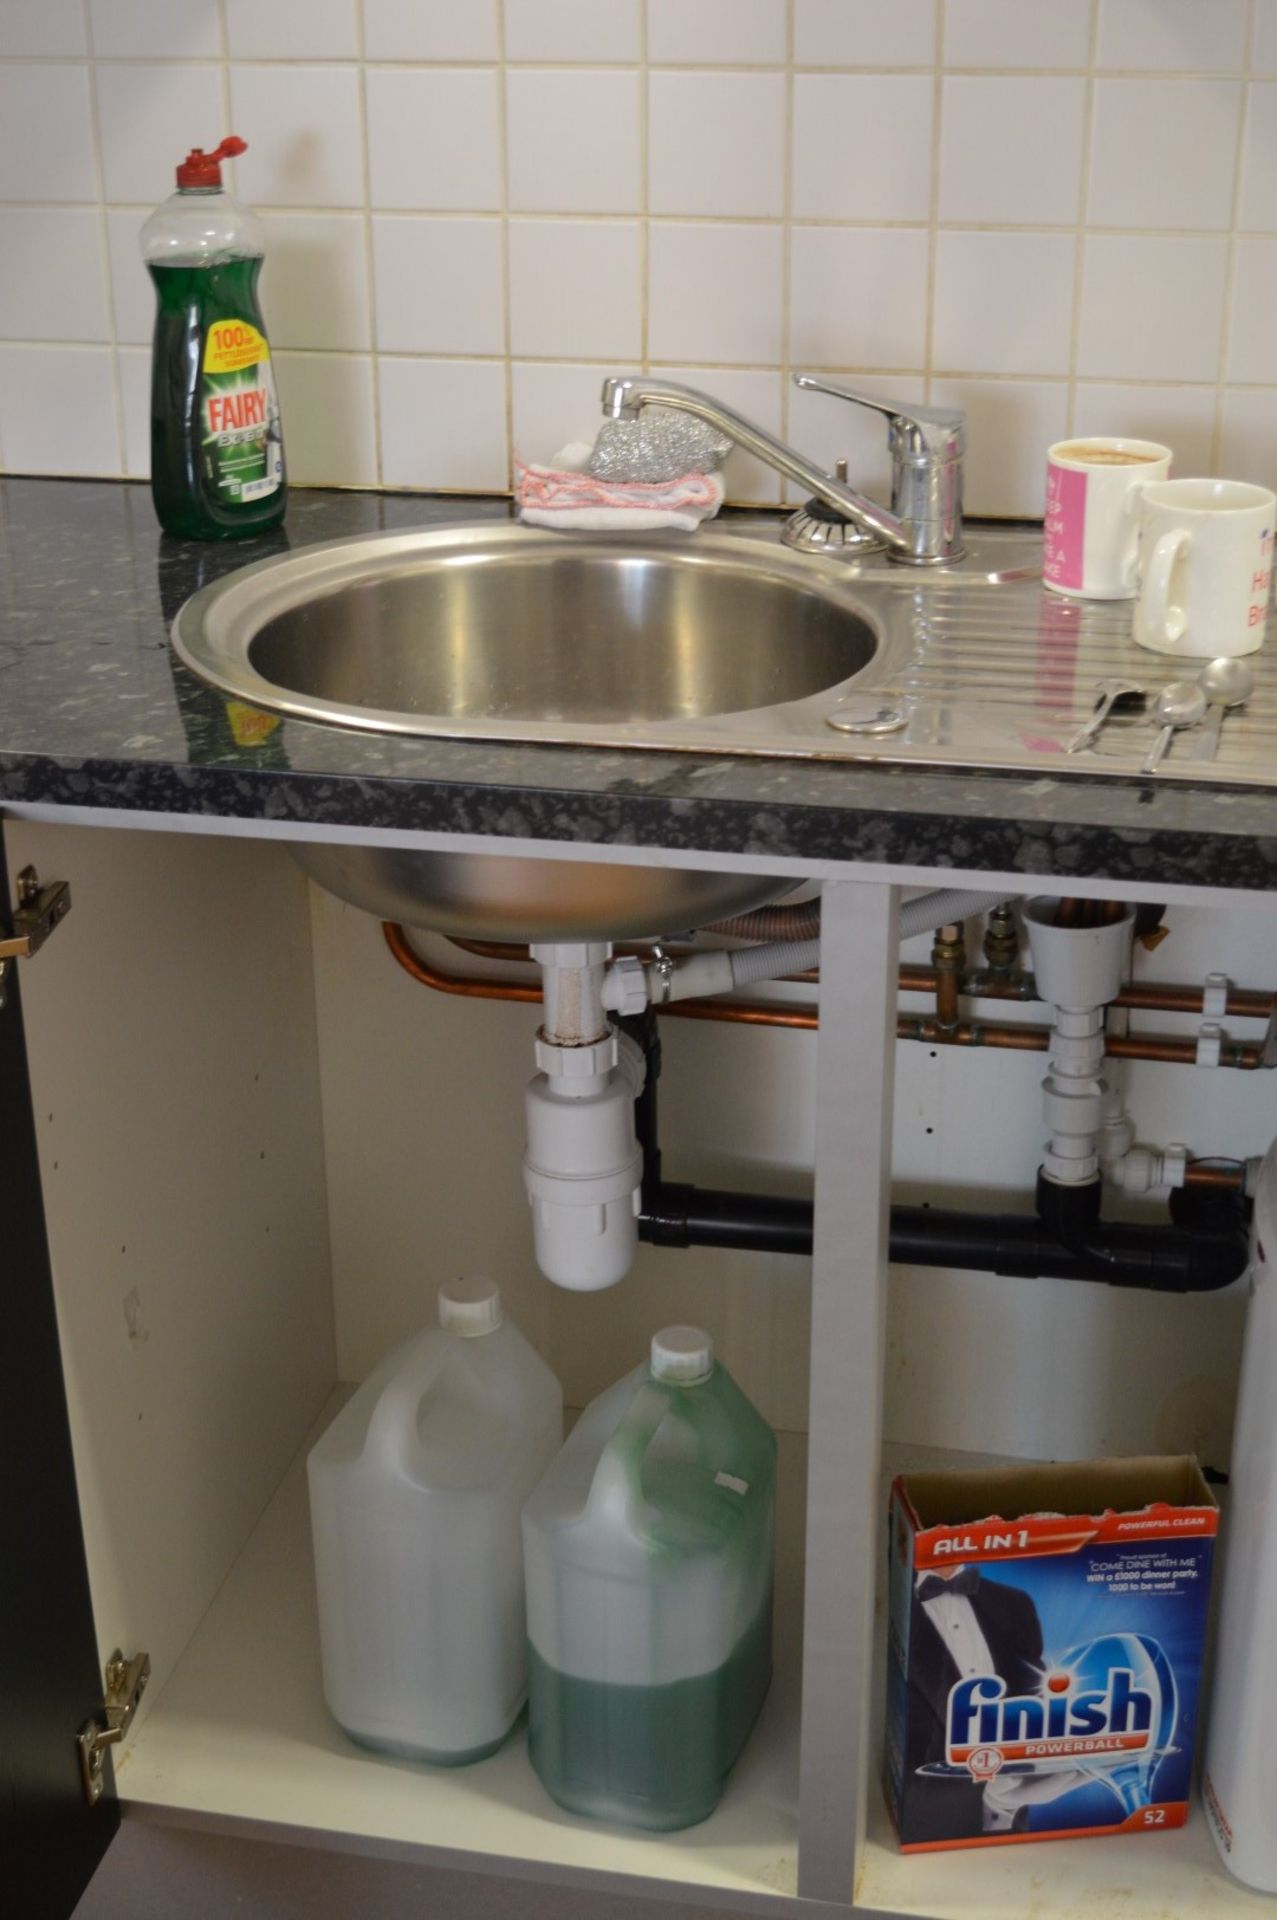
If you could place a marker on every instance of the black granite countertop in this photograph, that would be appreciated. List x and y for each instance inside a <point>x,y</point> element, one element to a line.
<point>96,712</point>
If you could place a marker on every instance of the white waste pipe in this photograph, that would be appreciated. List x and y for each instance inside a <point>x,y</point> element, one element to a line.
<point>703,974</point>
<point>1079,971</point>
<point>583,1167</point>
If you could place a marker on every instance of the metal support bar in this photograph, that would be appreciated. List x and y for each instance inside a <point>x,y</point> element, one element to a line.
<point>854,1084</point>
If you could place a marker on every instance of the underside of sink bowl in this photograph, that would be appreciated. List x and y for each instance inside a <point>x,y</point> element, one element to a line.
<point>500,897</point>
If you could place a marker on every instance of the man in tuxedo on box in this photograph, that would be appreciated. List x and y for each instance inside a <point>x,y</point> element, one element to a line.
<point>963,1624</point>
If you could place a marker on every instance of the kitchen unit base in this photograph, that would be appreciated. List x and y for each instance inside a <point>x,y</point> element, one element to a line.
<point>240,1739</point>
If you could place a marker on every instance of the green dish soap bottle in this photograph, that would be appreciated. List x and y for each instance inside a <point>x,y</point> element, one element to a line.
<point>217,450</point>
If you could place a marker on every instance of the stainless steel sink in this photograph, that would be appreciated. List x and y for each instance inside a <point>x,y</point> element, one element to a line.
<point>721,642</point>
<point>501,632</point>
<point>504,632</point>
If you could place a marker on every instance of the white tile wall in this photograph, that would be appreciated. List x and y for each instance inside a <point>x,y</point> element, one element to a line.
<point>1063,217</point>
<point>437,284</point>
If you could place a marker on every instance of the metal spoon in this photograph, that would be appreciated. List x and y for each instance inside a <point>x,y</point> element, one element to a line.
<point>1109,694</point>
<point>1226,683</point>
<point>1181,704</point>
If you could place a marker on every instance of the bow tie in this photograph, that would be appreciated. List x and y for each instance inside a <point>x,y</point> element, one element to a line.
<point>965,1582</point>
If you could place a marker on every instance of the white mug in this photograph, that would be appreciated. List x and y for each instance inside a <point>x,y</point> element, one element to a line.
<point>1093,488</point>
<point>1206,553</point>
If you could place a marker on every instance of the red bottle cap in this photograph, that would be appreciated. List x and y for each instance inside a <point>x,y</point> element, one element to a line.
<point>200,169</point>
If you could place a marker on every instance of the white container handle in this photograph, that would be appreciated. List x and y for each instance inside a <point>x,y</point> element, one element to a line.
<point>392,1425</point>
<point>1164,623</point>
<point>616,1480</point>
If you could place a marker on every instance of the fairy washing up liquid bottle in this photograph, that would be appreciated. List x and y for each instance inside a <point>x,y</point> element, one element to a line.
<point>217,452</point>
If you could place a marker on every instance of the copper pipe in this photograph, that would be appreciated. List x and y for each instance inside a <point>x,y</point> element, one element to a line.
<point>469,987</point>
<point>495,949</point>
<point>1149,996</point>
<point>1018,1039</point>
<point>640,949</point>
<point>1225,1174</point>
<point>1244,1004</point>
<point>1245,1054</point>
<point>1026,1039</point>
<point>749,1013</point>
<point>466,985</point>
<point>948,962</point>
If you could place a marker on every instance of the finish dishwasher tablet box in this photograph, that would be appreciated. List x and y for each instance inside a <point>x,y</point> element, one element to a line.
<point>1046,1629</point>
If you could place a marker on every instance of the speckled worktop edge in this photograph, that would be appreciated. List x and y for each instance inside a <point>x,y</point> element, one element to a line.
<point>96,712</point>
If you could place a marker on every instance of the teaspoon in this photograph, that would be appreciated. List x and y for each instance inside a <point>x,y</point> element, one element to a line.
<point>1226,683</point>
<point>1109,694</point>
<point>1181,704</point>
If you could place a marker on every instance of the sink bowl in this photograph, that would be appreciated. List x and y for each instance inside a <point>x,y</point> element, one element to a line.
<point>492,896</point>
<point>503,632</point>
<point>496,631</point>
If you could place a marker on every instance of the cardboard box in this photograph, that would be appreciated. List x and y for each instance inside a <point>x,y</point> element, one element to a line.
<point>1046,1630</point>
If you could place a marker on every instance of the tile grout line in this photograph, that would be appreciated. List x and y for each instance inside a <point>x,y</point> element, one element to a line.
<point>352,210</point>
<point>108,289</point>
<point>933,205</point>
<point>1083,196</point>
<point>645,192</point>
<point>503,165</point>
<point>916,67</point>
<point>1230,265</point>
<point>787,246</point>
<point>370,277</point>
<point>987,376</point>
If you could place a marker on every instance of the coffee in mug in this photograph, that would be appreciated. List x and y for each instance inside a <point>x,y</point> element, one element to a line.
<point>1092,525</point>
<point>1205,566</point>
<point>1102,453</point>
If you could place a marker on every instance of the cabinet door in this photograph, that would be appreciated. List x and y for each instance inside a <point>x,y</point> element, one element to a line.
<point>50,1838</point>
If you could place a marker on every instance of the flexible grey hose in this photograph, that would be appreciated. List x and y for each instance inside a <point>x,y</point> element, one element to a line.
<point>923,915</point>
<point>941,909</point>
<point>772,923</point>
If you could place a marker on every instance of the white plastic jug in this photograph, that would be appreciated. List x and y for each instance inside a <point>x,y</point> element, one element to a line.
<point>415,1492</point>
<point>648,1552</point>
<point>1237,1783</point>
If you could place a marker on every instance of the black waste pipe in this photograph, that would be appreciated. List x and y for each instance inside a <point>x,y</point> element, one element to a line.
<point>679,1216</point>
<point>1203,1250</point>
<point>1163,1259</point>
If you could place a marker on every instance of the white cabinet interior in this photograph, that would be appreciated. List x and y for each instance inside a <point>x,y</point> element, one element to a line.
<point>262,1145</point>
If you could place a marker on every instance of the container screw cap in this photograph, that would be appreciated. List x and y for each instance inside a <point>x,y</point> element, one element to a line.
<point>683,1355</point>
<point>200,169</point>
<point>470,1307</point>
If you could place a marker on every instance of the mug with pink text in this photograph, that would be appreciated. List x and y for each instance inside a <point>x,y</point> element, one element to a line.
<point>1206,567</point>
<point>1093,490</point>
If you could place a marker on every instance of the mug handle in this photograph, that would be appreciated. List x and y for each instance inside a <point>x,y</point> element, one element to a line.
<point>1131,557</point>
<point>1163,623</point>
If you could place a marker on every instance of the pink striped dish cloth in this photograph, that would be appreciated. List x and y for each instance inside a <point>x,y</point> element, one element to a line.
<point>560,497</point>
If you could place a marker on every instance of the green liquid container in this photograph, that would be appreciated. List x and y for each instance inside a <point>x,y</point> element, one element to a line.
<point>648,1557</point>
<point>217,450</point>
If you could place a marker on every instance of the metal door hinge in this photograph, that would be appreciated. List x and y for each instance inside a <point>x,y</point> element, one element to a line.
<point>125,1682</point>
<point>37,914</point>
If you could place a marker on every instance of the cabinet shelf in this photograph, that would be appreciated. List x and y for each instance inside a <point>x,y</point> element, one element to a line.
<point>240,1738</point>
<point>1172,1876</point>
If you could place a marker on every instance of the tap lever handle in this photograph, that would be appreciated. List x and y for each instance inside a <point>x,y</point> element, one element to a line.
<point>929,430</point>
